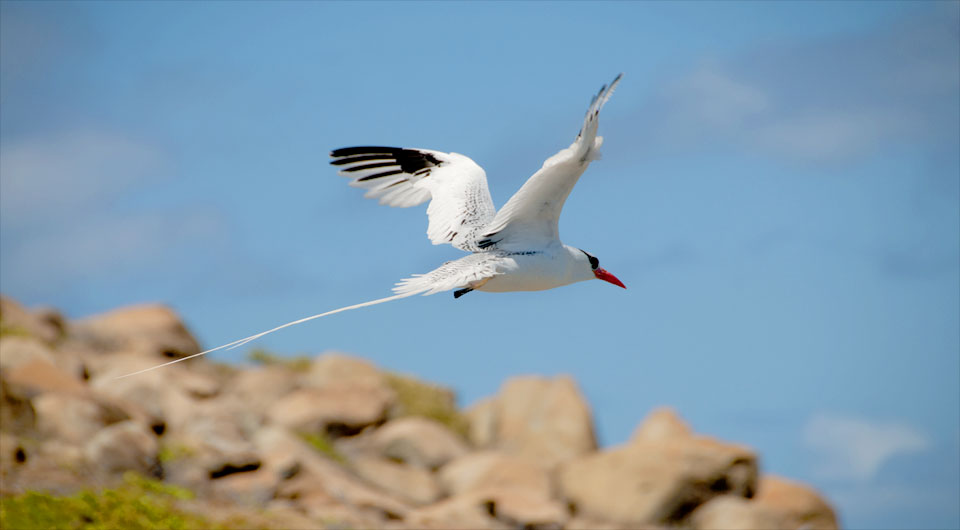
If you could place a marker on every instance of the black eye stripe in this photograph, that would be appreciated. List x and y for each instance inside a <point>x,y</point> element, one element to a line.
<point>594,262</point>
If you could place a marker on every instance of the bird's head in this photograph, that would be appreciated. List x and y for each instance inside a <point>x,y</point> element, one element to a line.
<point>589,260</point>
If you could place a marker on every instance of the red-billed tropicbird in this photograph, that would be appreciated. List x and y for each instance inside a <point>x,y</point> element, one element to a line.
<point>515,249</point>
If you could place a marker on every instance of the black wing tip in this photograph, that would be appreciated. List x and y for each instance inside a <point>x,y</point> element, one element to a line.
<point>364,150</point>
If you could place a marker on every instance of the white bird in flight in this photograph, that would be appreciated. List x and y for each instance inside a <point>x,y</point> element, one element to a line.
<point>515,249</point>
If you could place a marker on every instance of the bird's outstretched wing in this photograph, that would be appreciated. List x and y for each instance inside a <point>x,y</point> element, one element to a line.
<point>531,216</point>
<point>460,204</point>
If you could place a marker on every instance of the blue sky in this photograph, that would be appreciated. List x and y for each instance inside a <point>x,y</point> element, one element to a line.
<point>780,191</point>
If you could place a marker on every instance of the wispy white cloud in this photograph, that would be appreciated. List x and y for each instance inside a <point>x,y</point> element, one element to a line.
<point>57,175</point>
<point>104,246</point>
<point>829,101</point>
<point>856,448</point>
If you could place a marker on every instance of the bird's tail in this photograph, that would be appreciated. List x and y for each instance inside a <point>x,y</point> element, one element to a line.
<point>241,342</point>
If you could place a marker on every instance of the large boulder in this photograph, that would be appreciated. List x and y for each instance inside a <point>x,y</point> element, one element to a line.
<point>211,443</point>
<point>17,414</point>
<point>321,486</point>
<point>658,480</point>
<point>419,442</point>
<point>123,446</point>
<point>16,350</point>
<point>544,419</point>
<point>727,512</point>
<point>797,505</point>
<point>335,370</point>
<point>74,418</point>
<point>332,411</point>
<point>150,329</point>
<point>493,469</point>
<point>340,396</point>
<point>15,320</point>
<point>38,375</point>
<point>662,423</point>
<point>262,386</point>
<point>779,503</point>
<point>492,508</point>
<point>414,485</point>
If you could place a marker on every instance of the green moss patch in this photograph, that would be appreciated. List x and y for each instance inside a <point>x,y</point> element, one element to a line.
<point>299,363</point>
<point>137,503</point>
<point>322,444</point>
<point>416,398</point>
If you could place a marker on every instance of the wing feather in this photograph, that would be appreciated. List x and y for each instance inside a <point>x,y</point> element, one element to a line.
<point>460,203</point>
<point>467,271</point>
<point>531,217</point>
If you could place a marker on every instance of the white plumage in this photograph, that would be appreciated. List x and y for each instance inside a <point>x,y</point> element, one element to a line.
<point>521,241</point>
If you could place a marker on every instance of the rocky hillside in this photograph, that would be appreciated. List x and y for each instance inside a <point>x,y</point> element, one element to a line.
<point>336,442</point>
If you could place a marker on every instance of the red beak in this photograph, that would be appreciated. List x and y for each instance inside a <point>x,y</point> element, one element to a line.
<point>602,274</point>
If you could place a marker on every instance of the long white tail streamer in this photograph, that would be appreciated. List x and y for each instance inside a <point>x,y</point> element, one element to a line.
<point>241,342</point>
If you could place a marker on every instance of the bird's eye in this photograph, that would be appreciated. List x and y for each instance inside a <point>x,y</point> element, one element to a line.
<point>594,262</point>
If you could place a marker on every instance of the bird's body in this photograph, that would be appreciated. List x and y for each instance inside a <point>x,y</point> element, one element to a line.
<point>516,248</point>
<point>499,271</point>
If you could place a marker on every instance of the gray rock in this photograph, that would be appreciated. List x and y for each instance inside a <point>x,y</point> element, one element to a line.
<point>414,485</point>
<point>46,325</point>
<point>796,505</point>
<point>545,419</point>
<point>491,469</point>
<point>657,481</point>
<point>123,446</point>
<point>16,350</point>
<point>151,329</point>
<point>419,442</point>
<point>340,411</point>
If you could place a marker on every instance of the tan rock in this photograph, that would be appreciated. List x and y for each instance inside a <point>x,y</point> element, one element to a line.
<point>16,350</point>
<point>797,505</point>
<point>38,376</point>
<point>320,485</point>
<point>46,325</point>
<point>662,424</point>
<point>657,482</point>
<point>482,417</point>
<point>495,507</point>
<point>523,508</point>
<point>262,386</point>
<point>727,512</point>
<point>13,455</point>
<point>74,418</point>
<point>55,466</point>
<point>492,469</point>
<point>544,419</point>
<point>419,442</point>
<point>157,394</point>
<point>411,484</point>
<point>17,414</point>
<point>585,523</point>
<point>123,446</point>
<point>212,444</point>
<point>334,411</point>
<point>463,512</point>
<point>276,515</point>
<point>335,370</point>
<point>151,329</point>
<point>251,488</point>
